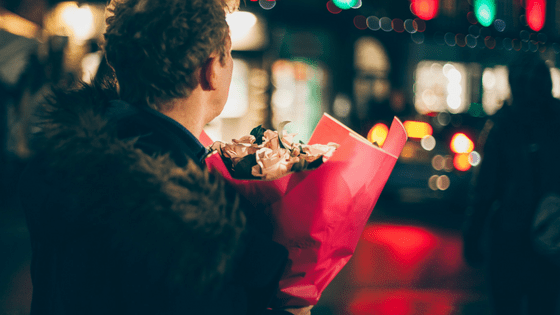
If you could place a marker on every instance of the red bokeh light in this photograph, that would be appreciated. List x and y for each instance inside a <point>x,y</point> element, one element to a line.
<point>360,22</point>
<point>425,9</point>
<point>419,25</point>
<point>333,8</point>
<point>403,302</point>
<point>409,244</point>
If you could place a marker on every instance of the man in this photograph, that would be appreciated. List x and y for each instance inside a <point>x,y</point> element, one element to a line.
<point>122,214</point>
<point>519,165</point>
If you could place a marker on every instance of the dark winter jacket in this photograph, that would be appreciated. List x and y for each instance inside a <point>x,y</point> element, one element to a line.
<point>124,219</point>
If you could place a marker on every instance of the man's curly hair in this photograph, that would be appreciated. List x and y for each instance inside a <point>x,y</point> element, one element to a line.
<point>156,46</point>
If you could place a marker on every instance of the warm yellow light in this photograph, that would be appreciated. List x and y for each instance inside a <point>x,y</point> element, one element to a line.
<point>15,24</point>
<point>378,133</point>
<point>460,143</point>
<point>417,129</point>
<point>79,20</point>
<point>409,150</point>
<point>241,24</point>
<point>461,162</point>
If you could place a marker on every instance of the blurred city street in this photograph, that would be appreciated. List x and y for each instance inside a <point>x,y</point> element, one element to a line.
<point>439,66</point>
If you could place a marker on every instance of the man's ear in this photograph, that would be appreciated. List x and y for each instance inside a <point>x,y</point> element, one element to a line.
<point>209,73</point>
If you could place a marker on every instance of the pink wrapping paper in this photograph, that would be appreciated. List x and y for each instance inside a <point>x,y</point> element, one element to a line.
<point>319,215</point>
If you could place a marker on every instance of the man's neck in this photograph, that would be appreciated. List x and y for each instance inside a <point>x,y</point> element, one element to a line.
<point>189,112</point>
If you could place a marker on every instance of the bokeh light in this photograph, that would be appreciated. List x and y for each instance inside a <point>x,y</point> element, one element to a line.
<point>471,18</point>
<point>409,26</point>
<point>418,38</point>
<point>535,14</point>
<point>378,133</point>
<point>420,25</point>
<point>443,118</point>
<point>485,11</point>
<point>461,162</point>
<point>360,22</point>
<point>342,106</point>
<point>507,43</point>
<point>524,35</point>
<point>516,44</point>
<point>490,42</point>
<point>425,9</point>
<point>443,182</point>
<point>432,182</point>
<point>448,163</point>
<point>470,41</point>
<point>460,143</point>
<point>474,158</point>
<point>345,4</point>
<point>438,162</point>
<point>460,40</point>
<point>417,129</point>
<point>373,23</point>
<point>450,39</point>
<point>428,142</point>
<point>499,25</point>
<point>332,8</point>
<point>79,20</point>
<point>267,4</point>
<point>533,46</point>
<point>474,30</point>
<point>386,24</point>
<point>240,24</point>
<point>398,25</point>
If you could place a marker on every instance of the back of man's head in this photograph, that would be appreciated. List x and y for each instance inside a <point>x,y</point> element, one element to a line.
<point>529,79</point>
<point>156,46</point>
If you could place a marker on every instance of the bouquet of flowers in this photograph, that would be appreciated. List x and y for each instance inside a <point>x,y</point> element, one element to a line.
<point>318,196</point>
<point>268,155</point>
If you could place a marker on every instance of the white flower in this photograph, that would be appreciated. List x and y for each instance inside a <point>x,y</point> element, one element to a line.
<point>250,139</point>
<point>270,139</point>
<point>236,151</point>
<point>314,151</point>
<point>272,164</point>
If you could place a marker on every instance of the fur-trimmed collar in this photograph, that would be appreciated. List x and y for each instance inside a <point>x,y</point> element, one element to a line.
<point>181,222</point>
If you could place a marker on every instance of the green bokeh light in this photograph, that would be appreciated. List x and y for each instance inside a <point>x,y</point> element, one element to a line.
<point>485,11</point>
<point>345,4</point>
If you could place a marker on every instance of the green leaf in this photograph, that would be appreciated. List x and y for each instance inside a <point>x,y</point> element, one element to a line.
<point>242,169</point>
<point>300,166</point>
<point>258,133</point>
<point>281,133</point>
<point>315,164</point>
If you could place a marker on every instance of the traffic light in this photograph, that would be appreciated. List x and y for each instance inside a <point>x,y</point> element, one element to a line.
<point>485,11</point>
<point>535,11</point>
<point>425,9</point>
<point>345,4</point>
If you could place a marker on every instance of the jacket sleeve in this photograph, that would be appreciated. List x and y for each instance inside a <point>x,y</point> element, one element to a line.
<point>263,261</point>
